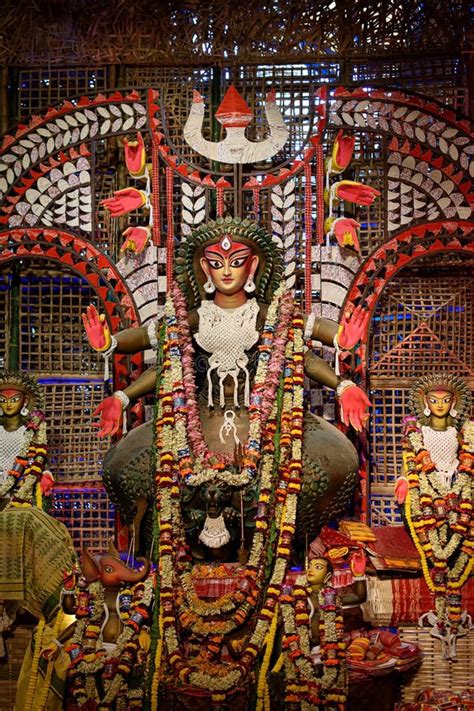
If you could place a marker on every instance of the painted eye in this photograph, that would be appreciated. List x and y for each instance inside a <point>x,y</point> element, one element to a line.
<point>238,262</point>
<point>214,263</point>
<point>108,569</point>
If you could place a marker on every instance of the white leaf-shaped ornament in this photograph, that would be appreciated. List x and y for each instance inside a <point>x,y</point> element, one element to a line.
<point>186,229</point>
<point>141,122</point>
<point>290,254</point>
<point>277,241</point>
<point>71,120</point>
<point>289,240</point>
<point>188,203</point>
<point>347,118</point>
<point>290,281</point>
<point>127,109</point>
<point>289,227</point>
<point>199,216</point>
<point>276,200</point>
<point>289,200</point>
<point>26,162</point>
<point>277,227</point>
<point>289,187</point>
<point>128,123</point>
<point>102,111</point>
<point>290,268</point>
<point>289,214</point>
<point>187,189</point>
<point>117,124</point>
<point>277,190</point>
<point>200,203</point>
<point>276,214</point>
<point>188,217</point>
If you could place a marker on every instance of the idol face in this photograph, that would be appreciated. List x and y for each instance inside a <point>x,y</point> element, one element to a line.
<point>317,571</point>
<point>439,402</point>
<point>229,265</point>
<point>11,401</point>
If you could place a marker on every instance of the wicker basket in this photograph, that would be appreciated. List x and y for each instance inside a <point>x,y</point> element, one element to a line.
<point>435,672</point>
<point>10,669</point>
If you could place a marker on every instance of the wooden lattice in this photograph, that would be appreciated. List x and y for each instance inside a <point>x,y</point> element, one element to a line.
<point>52,347</point>
<point>221,30</point>
<point>88,514</point>
<point>40,87</point>
<point>51,331</point>
<point>415,330</point>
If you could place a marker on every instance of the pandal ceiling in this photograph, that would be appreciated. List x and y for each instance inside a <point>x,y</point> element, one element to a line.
<point>224,31</point>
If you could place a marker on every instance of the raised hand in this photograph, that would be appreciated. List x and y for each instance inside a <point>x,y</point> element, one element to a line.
<point>401,489</point>
<point>135,155</point>
<point>354,405</point>
<point>110,412</point>
<point>136,239</point>
<point>352,191</point>
<point>124,201</point>
<point>344,230</point>
<point>351,328</point>
<point>97,330</point>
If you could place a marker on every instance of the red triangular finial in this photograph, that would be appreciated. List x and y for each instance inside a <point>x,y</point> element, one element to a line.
<point>233,110</point>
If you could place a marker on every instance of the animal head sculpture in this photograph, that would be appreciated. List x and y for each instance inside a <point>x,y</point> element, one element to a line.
<point>111,570</point>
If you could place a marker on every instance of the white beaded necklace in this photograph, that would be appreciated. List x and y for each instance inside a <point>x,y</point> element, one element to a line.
<point>226,334</point>
<point>11,444</point>
<point>442,446</point>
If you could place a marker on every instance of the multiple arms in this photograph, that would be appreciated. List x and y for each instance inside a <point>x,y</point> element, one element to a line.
<point>352,399</point>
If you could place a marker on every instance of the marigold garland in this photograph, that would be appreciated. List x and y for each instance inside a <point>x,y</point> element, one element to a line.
<point>282,346</point>
<point>440,521</point>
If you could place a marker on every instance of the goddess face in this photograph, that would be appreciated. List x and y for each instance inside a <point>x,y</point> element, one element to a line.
<point>439,402</point>
<point>229,265</point>
<point>318,569</point>
<point>11,401</point>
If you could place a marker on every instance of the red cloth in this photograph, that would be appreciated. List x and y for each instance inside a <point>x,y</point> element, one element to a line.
<point>412,598</point>
<point>395,544</point>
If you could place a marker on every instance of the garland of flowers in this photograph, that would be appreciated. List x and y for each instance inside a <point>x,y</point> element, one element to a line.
<point>305,685</point>
<point>440,520</point>
<point>29,464</point>
<point>220,679</point>
<point>86,652</point>
<point>197,464</point>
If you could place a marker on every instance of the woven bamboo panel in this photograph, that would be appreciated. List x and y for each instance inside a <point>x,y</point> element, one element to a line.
<point>434,672</point>
<point>41,87</point>
<point>75,450</point>
<point>10,669</point>
<point>223,31</point>
<point>51,331</point>
<point>87,513</point>
<point>442,78</point>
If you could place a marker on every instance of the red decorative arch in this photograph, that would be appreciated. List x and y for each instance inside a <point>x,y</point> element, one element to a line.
<point>77,254</point>
<point>398,251</point>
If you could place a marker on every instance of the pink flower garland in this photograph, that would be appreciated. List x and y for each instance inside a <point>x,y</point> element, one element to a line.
<point>277,358</point>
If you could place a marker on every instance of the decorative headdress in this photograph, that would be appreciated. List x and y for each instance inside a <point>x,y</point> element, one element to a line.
<point>188,270</point>
<point>26,384</point>
<point>441,381</point>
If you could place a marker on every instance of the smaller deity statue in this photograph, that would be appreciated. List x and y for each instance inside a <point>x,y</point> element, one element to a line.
<point>23,453</point>
<point>436,490</point>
